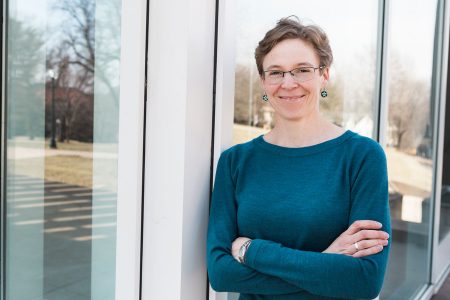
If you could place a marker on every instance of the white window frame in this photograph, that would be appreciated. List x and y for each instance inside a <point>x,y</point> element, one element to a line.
<point>178,148</point>
<point>440,254</point>
<point>225,84</point>
<point>130,151</point>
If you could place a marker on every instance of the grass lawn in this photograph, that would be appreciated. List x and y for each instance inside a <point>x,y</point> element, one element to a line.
<point>72,145</point>
<point>68,169</point>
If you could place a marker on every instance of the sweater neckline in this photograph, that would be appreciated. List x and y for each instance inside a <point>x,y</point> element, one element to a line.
<point>299,151</point>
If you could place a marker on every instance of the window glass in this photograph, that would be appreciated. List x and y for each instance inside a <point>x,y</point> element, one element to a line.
<point>62,90</point>
<point>409,144</point>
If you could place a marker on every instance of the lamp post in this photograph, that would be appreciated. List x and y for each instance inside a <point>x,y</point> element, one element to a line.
<point>52,75</point>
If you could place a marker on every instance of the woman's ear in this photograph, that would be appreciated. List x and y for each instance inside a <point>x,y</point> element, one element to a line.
<point>265,98</point>
<point>261,82</point>
<point>325,76</point>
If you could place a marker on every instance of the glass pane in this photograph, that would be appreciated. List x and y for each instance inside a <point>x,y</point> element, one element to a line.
<point>62,81</point>
<point>350,99</point>
<point>409,145</point>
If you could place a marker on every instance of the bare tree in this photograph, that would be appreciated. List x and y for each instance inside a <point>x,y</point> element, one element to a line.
<point>84,50</point>
<point>87,54</point>
<point>73,93</point>
<point>408,106</point>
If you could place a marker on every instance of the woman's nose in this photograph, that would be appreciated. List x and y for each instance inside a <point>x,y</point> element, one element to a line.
<point>288,81</point>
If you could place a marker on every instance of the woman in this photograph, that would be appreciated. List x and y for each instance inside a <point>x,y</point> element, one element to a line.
<point>302,211</point>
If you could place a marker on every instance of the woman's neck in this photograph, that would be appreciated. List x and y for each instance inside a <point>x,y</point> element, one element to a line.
<point>302,133</point>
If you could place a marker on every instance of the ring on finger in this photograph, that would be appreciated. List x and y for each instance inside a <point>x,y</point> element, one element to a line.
<point>356,246</point>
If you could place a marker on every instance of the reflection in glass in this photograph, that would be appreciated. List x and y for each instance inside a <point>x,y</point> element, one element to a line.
<point>62,81</point>
<point>350,99</point>
<point>409,145</point>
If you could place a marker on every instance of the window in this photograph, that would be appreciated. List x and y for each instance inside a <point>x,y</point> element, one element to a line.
<point>62,99</point>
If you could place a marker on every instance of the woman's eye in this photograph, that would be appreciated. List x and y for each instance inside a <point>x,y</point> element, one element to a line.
<point>303,70</point>
<point>275,73</point>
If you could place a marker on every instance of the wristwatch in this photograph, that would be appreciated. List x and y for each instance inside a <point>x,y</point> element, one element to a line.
<point>243,250</point>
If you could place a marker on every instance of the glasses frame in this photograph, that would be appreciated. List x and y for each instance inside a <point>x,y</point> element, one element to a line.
<point>292,74</point>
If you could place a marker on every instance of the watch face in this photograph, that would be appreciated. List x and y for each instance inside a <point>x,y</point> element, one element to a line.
<point>242,250</point>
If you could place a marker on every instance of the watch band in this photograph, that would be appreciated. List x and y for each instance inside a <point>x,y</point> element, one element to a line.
<point>243,250</point>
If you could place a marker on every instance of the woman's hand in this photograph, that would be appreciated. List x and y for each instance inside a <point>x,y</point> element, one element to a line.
<point>236,245</point>
<point>362,238</point>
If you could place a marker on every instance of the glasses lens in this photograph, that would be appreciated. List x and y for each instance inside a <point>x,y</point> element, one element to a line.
<point>303,74</point>
<point>300,75</point>
<point>274,76</point>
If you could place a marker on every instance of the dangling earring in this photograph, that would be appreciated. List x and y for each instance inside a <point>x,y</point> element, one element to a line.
<point>265,97</point>
<point>323,93</point>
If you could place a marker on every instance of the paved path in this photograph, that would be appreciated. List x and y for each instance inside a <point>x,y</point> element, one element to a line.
<point>64,220</point>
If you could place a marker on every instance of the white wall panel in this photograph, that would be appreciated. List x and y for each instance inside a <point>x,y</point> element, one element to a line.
<point>178,147</point>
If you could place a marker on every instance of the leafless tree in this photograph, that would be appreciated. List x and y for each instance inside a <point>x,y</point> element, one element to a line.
<point>71,96</point>
<point>91,55</point>
<point>409,105</point>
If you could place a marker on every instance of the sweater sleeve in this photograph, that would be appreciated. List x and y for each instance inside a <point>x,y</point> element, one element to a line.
<point>225,273</point>
<point>336,275</point>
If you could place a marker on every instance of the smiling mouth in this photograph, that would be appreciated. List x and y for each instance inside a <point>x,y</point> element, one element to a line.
<point>292,98</point>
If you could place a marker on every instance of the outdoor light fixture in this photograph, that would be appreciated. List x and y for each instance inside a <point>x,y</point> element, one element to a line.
<point>52,75</point>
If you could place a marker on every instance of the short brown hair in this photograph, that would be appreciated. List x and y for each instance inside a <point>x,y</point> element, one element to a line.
<point>289,28</point>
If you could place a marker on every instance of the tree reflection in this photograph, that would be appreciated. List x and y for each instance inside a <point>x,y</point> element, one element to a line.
<point>86,58</point>
<point>409,108</point>
<point>25,52</point>
<point>74,98</point>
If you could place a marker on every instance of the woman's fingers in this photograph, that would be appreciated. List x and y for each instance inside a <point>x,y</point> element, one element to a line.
<point>368,251</point>
<point>363,224</point>
<point>369,235</point>
<point>369,247</point>
<point>365,244</point>
<point>366,233</point>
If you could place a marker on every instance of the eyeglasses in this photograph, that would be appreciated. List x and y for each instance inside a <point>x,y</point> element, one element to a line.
<point>301,74</point>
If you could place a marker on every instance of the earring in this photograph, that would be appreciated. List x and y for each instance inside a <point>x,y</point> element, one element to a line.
<point>323,93</point>
<point>265,97</point>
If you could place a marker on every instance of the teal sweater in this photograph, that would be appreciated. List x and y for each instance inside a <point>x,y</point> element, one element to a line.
<point>293,203</point>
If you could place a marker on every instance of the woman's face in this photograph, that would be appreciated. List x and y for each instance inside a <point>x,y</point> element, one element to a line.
<point>291,99</point>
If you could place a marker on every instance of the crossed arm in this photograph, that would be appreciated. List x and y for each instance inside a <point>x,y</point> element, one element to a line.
<point>272,269</point>
<point>339,271</point>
